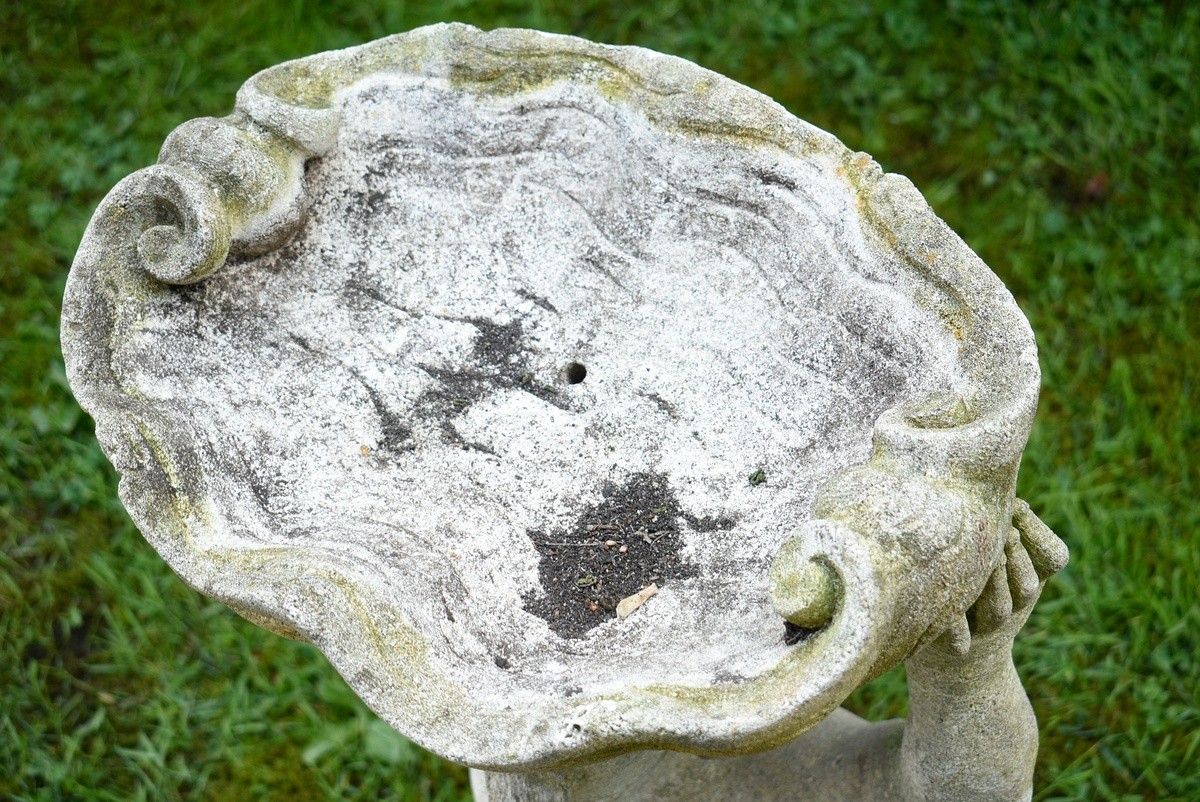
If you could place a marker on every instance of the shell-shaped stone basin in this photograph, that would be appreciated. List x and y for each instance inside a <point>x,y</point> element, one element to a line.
<point>466,336</point>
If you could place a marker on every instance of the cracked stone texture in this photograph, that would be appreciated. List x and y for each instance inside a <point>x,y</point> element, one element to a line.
<point>355,438</point>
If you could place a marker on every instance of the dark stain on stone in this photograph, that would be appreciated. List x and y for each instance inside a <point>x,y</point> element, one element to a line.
<point>451,434</point>
<point>499,347</point>
<point>394,434</point>
<point>502,662</point>
<point>537,300</point>
<point>793,634</point>
<point>358,291</point>
<point>301,342</point>
<point>259,488</point>
<point>373,202</point>
<point>187,297</point>
<point>583,577</point>
<point>769,178</point>
<point>663,404</point>
<point>871,336</point>
<point>721,523</point>
<point>498,362</point>
<point>723,677</point>
<point>598,260</point>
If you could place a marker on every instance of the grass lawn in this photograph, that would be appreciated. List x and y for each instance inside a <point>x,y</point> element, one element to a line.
<point>1063,144</point>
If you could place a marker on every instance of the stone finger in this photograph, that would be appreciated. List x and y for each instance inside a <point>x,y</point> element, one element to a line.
<point>1047,552</point>
<point>958,636</point>
<point>995,604</point>
<point>1023,581</point>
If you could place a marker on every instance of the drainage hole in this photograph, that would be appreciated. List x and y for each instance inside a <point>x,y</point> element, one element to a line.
<point>574,373</point>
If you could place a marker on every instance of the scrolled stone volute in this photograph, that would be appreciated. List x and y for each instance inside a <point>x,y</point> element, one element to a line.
<point>167,220</point>
<point>257,177</point>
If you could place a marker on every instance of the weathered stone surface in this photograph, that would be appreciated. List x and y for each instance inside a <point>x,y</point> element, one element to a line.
<point>371,348</point>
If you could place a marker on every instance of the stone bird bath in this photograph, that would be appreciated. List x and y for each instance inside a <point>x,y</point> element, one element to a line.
<point>591,414</point>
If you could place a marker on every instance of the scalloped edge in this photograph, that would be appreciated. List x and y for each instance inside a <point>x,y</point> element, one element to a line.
<point>254,188</point>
